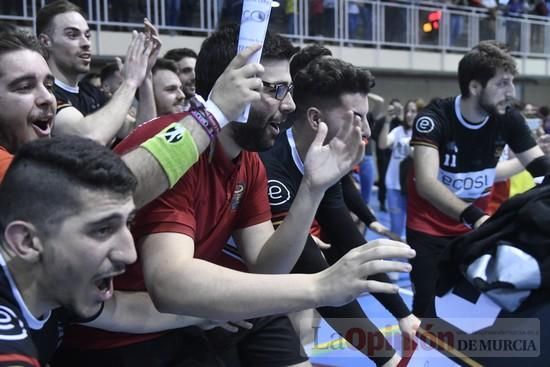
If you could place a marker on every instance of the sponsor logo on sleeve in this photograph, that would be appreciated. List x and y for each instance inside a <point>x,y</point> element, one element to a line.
<point>11,327</point>
<point>174,134</point>
<point>237,195</point>
<point>425,124</point>
<point>278,193</point>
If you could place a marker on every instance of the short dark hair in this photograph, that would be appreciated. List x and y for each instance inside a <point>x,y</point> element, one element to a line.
<point>220,48</point>
<point>307,55</point>
<point>482,62</point>
<point>165,64</point>
<point>44,182</point>
<point>15,39</point>
<point>108,71</point>
<point>49,11</point>
<point>326,79</point>
<point>176,54</point>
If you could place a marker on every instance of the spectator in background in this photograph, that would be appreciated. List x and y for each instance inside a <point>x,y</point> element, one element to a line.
<point>185,59</point>
<point>398,140</point>
<point>290,16</point>
<point>316,10</point>
<point>383,155</point>
<point>111,78</point>
<point>83,109</point>
<point>329,19</point>
<point>169,97</point>
<point>514,10</point>
<point>173,12</point>
<point>365,11</point>
<point>353,19</point>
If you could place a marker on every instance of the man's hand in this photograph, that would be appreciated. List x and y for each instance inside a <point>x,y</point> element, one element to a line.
<point>239,84</point>
<point>381,229</point>
<point>324,165</point>
<point>231,326</point>
<point>151,37</point>
<point>137,57</point>
<point>409,325</point>
<point>348,278</point>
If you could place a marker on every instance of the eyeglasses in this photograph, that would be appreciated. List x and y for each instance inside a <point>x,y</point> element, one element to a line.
<point>280,89</point>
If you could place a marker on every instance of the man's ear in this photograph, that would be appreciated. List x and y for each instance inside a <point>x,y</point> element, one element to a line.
<point>22,241</point>
<point>314,116</point>
<point>45,40</point>
<point>475,88</point>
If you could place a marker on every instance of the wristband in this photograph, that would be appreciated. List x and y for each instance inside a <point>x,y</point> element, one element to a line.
<point>471,215</point>
<point>539,166</point>
<point>207,124</point>
<point>217,113</point>
<point>174,149</point>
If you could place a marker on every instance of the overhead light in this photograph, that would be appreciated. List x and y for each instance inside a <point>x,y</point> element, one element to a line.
<point>275,4</point>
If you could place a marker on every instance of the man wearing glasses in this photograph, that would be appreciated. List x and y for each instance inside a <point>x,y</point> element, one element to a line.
<point>180,234</point>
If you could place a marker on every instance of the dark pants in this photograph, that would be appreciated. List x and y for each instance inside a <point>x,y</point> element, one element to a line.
<point>424,270</point>
<point>187,347</point>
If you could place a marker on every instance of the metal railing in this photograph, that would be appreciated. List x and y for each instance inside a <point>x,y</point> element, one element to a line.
<point>358,23</point>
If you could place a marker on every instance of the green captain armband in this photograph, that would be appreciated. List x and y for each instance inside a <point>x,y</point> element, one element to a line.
<point>174,149</point>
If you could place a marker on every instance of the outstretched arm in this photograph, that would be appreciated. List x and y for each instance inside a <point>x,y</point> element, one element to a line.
<point>179,283</point>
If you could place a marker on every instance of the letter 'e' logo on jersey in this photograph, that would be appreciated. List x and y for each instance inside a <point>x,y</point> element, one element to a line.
<point>11,328</point>
<point>278,193</point>
<point>425,124</point>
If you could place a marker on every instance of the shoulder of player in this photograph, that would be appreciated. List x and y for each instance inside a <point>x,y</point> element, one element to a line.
<point>13,327</point>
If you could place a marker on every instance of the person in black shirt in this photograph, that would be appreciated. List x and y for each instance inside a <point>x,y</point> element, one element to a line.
<point>341,89</point>
<point>82,108</point>
<point>457,144</point>
<point>60,248</point>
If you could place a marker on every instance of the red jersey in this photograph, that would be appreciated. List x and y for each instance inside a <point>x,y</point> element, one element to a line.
<point>5,161</point>
<point>213,199</point>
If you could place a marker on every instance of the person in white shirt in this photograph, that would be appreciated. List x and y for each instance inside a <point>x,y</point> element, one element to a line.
<point>398,140</point>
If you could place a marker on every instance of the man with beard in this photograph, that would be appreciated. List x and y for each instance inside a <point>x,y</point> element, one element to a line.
<point>82,109</point>
<point>457,144</point>
<point>223,195</point>
<point>186,59</point>
<point>167,88</point>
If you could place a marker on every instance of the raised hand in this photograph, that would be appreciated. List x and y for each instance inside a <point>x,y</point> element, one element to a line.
<point>137,57</point>
<point>152,40</point>
<point>239,84</point>
<point>325,165</point>
<point>349,277</point>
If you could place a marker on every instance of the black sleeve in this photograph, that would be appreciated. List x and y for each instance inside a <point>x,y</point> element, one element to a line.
<point>376,347</point>
<point>520,138</point>
<point>343,236</point>
<point>355,202</point>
